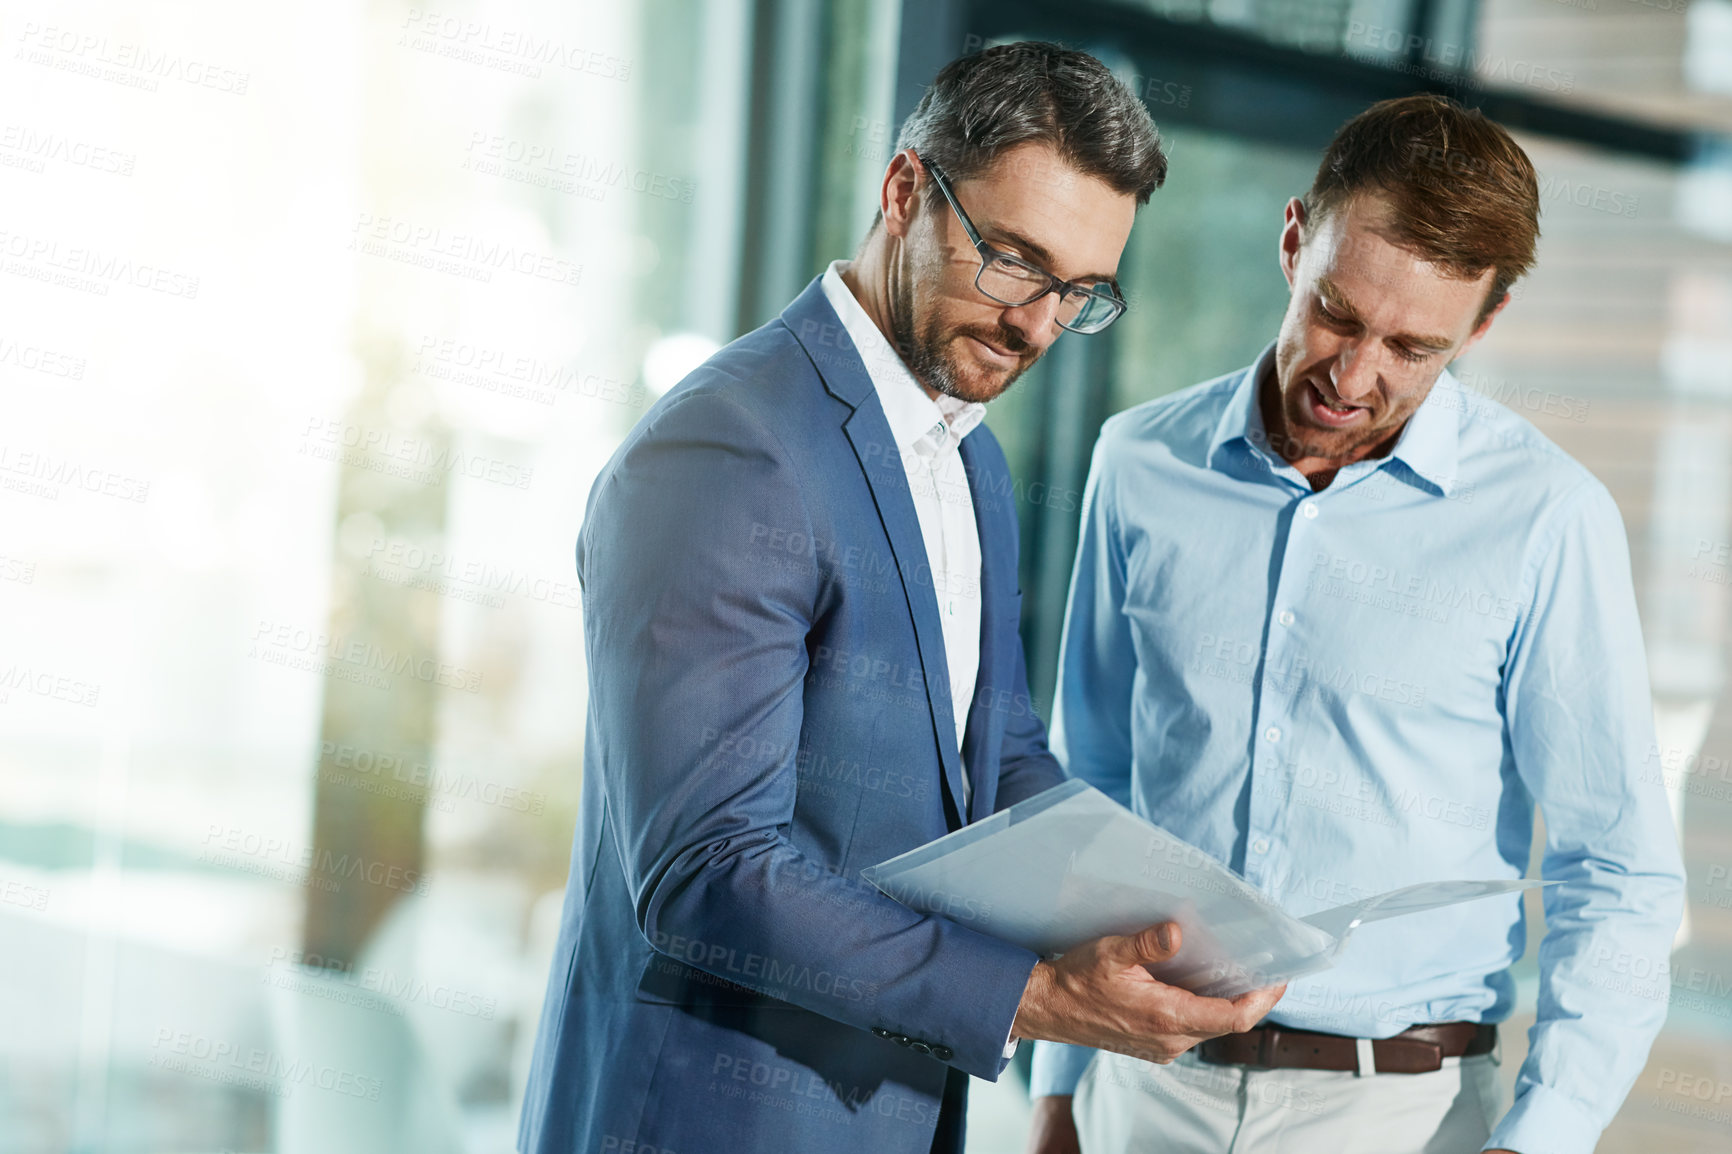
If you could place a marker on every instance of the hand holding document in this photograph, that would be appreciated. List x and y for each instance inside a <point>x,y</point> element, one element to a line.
<point>1071,865</point>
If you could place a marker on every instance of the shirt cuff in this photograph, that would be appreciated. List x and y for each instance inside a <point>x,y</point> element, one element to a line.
<point>1058,1068</point>
<point>1542,1121</point>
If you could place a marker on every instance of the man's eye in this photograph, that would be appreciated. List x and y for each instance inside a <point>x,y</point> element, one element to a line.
<point>1331,316</point>
<point>1413,356</point>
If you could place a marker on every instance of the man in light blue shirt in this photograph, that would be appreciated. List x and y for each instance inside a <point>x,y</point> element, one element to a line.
<point>1342,624</point>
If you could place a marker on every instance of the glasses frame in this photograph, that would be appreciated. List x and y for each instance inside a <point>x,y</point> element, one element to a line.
<point>988,254</point>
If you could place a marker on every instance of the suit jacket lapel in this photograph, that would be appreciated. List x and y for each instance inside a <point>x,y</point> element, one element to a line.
<point>881,459</point>
<point>815,324</point>
<point>998,583</point>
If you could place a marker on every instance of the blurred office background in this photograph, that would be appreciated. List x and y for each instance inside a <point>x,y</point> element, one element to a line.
<point>316,323</point>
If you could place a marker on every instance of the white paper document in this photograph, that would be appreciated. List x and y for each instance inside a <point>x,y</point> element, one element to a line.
<point>1071,864</point>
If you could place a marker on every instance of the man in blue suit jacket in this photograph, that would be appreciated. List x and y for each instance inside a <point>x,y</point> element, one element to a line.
<point>801,609</point>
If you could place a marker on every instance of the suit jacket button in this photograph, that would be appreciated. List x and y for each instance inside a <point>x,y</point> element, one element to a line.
<point>943,1053</point>
<point>902,1039</point>
<point>920,1047</point>
<point>881,1032</point>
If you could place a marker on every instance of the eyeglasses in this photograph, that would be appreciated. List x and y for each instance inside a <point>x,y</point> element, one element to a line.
<point>1009,280</point>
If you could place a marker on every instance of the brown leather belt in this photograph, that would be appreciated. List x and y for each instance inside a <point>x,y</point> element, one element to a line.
<point>1418,1050</point>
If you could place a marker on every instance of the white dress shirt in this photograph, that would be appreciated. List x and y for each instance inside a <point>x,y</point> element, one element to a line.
<point>928,433</point>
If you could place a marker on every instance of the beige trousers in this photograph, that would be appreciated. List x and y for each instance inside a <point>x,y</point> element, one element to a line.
<point>1125,1105</point>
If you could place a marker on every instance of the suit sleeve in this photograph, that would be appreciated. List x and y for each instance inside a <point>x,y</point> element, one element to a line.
<point>1092,711</point>
<point>1580,723</point>
<point>697,659</point>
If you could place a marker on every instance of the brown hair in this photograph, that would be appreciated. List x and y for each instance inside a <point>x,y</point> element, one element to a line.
<point>1462,194</point>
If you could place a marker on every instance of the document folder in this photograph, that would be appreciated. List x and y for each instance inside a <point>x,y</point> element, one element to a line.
<point>1070,865</point>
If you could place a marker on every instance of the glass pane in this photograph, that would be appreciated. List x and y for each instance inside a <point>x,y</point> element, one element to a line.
<point>1200,274</point>
<point>1617,348</point>
<point>364,297</point>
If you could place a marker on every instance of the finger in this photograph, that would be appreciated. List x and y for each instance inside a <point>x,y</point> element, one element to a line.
<point>1186,1013</point>
<point>1155,944</point>
<point>1272,993</point>
<point>1264,998</point>
<point>1254,1006</point>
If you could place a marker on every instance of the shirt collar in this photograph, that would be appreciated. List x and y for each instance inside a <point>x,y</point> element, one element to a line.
<point>1429,446</point>
<point>919,423</point>
<point>1431,443</point>
<point>1242,419</point>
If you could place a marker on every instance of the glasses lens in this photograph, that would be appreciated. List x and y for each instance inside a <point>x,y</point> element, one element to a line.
<point>1010,282</point>
<point>1088,312</point>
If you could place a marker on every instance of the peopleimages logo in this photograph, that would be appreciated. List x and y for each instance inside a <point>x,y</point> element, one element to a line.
<point>404,563</point>
<point>381,773</point>
<point>33,151</point>
<point>505,48</point>
<point>779,978</point>
<point>1446,60</point>
<point>324,869</point>
<point>551,166</point>
<point>41,474</point>
<point>42,683</point>
<point>36,359</point>
<point>423,460</point>
<point>353,658</point>
<point>464,254</point>
<point>89,269</point>
<point>517,374</point>
<point>183,1052</point>
<point>392,989</point>
<point>123,62</point>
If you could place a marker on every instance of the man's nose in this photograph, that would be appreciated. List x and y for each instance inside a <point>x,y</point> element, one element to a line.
<point>1353,374</point>
<point>1035,322</point>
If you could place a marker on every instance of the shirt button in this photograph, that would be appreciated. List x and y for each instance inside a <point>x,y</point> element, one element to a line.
<point>1310,512</point>
<point>1286,617</point>
<point>1261,845</point>
<point>1273,733</point>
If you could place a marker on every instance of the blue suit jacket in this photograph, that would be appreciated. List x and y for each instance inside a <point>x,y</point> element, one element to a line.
<point>769,714</point>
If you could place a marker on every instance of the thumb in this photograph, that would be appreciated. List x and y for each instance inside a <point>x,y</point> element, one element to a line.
<point>1155,944</point>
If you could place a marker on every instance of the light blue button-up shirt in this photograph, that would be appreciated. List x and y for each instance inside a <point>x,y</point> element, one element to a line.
<point>1342,692</point>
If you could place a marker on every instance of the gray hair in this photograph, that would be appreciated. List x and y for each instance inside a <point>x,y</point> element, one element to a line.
<point>1011,94</point>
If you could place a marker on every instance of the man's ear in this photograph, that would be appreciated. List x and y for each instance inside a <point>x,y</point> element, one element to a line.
<point>898,195</point>
<point>1484,325</point>
<point>1292,237</point>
